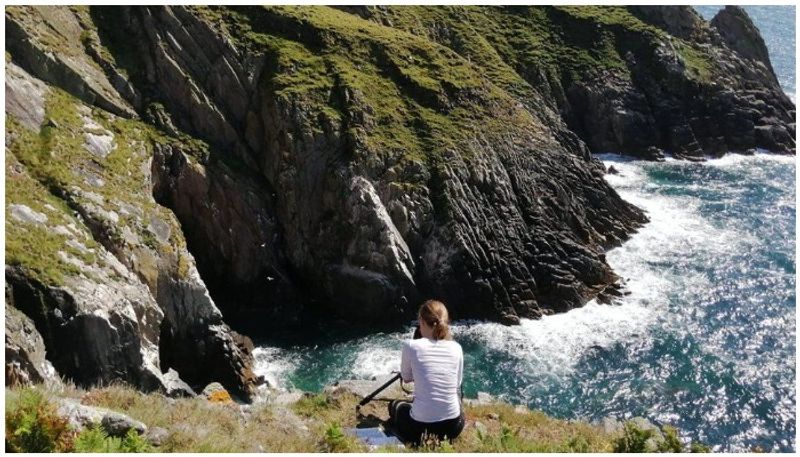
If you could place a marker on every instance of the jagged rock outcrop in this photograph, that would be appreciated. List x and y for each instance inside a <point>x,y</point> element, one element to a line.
<point>292,161</point>
<point>741,35</point>
<point>706,95</point>
<point>243,267</point>
<point>55,45</point>
<point>94,261</point>
<point>26,361</point>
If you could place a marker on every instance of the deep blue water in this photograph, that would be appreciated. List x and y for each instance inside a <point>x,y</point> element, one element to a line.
<point>705,341</point>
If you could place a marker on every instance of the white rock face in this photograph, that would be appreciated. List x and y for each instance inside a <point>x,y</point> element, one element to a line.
<point>96,139</point>
<point>24,97</point>
<point>25,214</point>
<point>101,145</point>
<point>376,235</point>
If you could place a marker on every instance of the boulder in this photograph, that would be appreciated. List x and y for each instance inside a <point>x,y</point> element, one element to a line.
<point>157,436</point>
<point>175,387</point>
<point>216,393</point>
<point>118,424</point>
<point>83,416</point>
<point>482,398</point>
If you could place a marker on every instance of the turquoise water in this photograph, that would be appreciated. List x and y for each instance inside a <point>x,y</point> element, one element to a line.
<point>705,341</point>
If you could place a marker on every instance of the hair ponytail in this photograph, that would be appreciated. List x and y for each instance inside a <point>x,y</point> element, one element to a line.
<point>434,313</point>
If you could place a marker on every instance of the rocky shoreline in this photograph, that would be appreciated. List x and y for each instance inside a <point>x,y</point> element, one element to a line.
<point>176,173</point>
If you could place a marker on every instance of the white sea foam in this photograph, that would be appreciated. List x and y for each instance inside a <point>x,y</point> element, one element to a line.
<point>274,364</point>
<point>675,221</point>
<point>553,344</point>
<point>377,355</point>
<point>740,159</point>
<point>376,361</point>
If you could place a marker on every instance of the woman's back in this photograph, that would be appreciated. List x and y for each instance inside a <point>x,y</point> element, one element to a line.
<point>436,368</point>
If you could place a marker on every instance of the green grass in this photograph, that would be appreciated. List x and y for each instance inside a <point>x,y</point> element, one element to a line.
<point>699,65</point>
<point>314,405</point>
<point>419,86</point>
<point>36,247</point>
<point>335,440</point>
<point>391,92</point>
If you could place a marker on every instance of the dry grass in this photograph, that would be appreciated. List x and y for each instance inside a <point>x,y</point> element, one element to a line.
<point>194,424</point>
<point>316,423</point>
<point>510,430</point>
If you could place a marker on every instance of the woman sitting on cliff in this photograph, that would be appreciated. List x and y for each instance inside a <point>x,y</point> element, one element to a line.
<point>435,364</point>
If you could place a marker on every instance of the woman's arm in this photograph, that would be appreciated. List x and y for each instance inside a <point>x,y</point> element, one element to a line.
<point>405,364</point>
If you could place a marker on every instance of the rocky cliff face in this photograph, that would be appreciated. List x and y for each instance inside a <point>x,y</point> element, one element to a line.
<point>170,166</point>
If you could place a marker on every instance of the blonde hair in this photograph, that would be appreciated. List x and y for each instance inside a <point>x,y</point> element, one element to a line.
<point>434,313</point>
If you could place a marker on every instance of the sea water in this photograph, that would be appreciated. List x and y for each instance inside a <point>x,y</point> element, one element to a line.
<point>706,339</point>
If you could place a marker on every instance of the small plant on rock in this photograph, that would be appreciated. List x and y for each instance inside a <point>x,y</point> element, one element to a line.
<point>633,439</point>
<point>336,441</point>
<point>95,439</point>
<point>432,443</point>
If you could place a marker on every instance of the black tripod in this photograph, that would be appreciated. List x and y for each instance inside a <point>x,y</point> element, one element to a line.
<point>380,389</point>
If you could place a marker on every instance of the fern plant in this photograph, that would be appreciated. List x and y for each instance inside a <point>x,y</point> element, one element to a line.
<point>33,425</point>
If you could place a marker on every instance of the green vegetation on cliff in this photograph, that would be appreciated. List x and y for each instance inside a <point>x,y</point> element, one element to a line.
<point>83,163</point>
<point>393,92</point>
<point>35,246</point>
<point>415,81</point>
